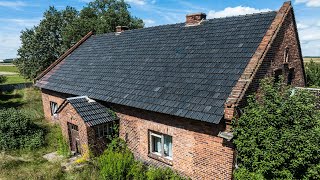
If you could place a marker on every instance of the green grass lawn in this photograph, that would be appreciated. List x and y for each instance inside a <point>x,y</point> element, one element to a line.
<point>29,164</point>
<point>6,68</point>
<point>15,79</point>
<point>12,79</point>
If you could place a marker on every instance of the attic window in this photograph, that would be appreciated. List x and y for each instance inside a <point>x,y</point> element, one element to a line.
<point>286,55</point>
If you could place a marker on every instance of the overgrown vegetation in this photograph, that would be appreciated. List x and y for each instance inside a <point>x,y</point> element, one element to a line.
<point>117,162</point>
<point>278,135</point>
<point>3,79</point>
<point>312,70</point>
<point>59,30</point>
<point>63,147</point>
<point>29,163</point>
<point>18,131</point>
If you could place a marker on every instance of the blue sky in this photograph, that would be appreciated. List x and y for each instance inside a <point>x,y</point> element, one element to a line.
<point>16,15</point>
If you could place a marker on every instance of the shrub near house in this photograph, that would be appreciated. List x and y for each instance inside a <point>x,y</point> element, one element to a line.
<point>18,131</point>
<point>278,136</point>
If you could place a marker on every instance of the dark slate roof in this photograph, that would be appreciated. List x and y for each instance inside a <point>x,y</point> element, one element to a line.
<point>172,69</point>
<point>92,112</point>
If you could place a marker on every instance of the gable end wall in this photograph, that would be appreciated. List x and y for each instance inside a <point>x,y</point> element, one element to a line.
<point>274,59</point>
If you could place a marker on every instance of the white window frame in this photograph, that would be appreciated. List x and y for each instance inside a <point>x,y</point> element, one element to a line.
<point>161,136</point>
<point>53,108</point>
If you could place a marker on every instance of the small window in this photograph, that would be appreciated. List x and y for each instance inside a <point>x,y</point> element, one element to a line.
<point>161,145</point>
<point>53,107</point>
<point>277,74</point>
<point>286,55</point>
<point>103,130</point>
<point>73,126</point>
<point>290,76</point>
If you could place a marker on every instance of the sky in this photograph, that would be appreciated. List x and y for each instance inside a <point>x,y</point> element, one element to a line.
<point>17,15</point>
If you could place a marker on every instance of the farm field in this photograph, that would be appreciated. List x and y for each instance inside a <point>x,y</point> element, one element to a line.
<point>12,74</point>
<point>308,59</point>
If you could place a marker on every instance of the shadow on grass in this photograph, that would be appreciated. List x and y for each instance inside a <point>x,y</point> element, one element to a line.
<point>11,100</point>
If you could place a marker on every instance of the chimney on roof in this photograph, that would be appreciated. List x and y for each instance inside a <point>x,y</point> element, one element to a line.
<point>120,29</point>
<point>195,18</point>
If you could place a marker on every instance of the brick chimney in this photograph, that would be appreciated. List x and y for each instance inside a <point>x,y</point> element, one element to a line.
<point>195,18</point>
<point>120,29</point>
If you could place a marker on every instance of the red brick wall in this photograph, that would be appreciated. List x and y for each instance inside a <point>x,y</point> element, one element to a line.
<point>274,59</point>
<point>197,151</point>
<point>48,96</point>
<point>69,114</point>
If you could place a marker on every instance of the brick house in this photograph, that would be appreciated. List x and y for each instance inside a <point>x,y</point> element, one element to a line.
<point>175,88</point>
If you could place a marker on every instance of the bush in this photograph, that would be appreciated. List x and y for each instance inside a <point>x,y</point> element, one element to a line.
<point>313,74</point>
<point>3,79</point>
<point>162,174</point>
<point>117,162</point>
<point>278,135</point>
<point>17,131</point>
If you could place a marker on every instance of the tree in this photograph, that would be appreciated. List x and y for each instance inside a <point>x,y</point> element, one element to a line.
<point>59,30</point>
<point>43,44</point>
<point>313,73</point>
<point>278,135</point>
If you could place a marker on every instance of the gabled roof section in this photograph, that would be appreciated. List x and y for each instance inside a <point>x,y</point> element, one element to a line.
<point>64,55</point>
<point>171,69</point>
<point>92,112</point>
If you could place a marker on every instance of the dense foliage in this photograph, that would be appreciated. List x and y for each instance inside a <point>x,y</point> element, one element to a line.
<point>59,30</point>
<point>313,74</point>
<point>18,131</point>
<point>117,162</point>
<point>3,79</point>
<point>278,136</point>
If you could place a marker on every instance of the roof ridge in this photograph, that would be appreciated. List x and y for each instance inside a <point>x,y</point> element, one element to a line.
<point>183,23</point>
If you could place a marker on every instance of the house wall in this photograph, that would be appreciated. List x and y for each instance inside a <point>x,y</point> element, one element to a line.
<point>69,114</point>
<point>274,59</point>
<point>197,151</point>
<point>48,96</point>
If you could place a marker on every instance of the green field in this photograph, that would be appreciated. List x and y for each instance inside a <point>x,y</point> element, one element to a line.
<point>7,68</point>
<point>12,78</point>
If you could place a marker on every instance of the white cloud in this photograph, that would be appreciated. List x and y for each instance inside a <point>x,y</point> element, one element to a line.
<point>149,22</point>
<point>25,23</point>
<point>309,3</point>
<point>302,26</point>
<point>137,2</point>
<point>233,11</point>
<point>9,44</point>
<point>12,4</point>
<point>10,35</point>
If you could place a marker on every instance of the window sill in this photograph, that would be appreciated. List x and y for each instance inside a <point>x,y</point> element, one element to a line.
<point>161,159</point>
